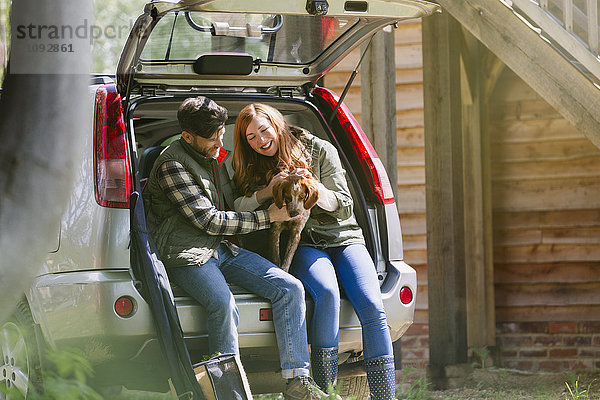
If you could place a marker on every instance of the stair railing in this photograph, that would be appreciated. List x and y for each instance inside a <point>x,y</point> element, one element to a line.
<point>570,24</point>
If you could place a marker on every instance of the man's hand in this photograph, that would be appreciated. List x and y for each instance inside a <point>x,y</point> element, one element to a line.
<point>279,214</point>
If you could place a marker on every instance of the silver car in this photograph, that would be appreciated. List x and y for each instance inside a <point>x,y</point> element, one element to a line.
<point>235,52</point>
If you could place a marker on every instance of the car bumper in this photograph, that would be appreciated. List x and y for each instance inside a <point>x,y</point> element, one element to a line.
<point>77,308</point>
<point>254,333</point>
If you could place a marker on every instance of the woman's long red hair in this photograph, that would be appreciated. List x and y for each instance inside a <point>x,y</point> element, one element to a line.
<point>252,170</point>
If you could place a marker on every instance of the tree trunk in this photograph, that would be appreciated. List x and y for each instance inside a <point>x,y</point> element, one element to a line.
<point>45,111</point>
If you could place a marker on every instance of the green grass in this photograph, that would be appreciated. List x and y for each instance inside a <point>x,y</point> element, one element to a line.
<point>505,384</point>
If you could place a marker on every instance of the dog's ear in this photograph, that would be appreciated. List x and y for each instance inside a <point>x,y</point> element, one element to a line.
<point>278,194</point>
<point>313,195</point>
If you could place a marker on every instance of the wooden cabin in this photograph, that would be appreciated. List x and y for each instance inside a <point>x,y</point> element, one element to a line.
<point>498,174</point>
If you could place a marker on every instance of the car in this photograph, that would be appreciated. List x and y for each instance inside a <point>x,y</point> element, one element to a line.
<point>90,297</point>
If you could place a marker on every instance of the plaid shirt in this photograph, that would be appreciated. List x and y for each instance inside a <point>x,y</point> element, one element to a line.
<point>182,190</point>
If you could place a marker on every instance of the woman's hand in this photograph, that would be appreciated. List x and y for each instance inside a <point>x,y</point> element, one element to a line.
<point>267,192</point>
<point>302,172</point>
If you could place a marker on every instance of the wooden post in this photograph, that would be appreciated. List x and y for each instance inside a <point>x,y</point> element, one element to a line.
<point>378,94</point>
<point>493,70</point>
<point>477,198</point>
<point>444,197</point>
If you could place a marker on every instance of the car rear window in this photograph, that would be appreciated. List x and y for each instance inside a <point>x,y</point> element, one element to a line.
<point>288,39</point>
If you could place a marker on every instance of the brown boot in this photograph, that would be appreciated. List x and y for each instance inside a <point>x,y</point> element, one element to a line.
<point>302,388</point>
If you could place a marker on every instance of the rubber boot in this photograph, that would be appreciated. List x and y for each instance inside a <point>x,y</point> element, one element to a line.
<point>381,376</point>
<point>324,363</point>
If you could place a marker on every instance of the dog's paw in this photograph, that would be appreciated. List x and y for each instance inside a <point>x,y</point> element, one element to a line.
<point>285,267</point>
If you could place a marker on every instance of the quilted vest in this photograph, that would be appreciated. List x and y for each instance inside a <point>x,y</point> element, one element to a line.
<point>179,242</point>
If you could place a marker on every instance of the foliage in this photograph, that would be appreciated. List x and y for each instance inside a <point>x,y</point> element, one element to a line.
<point>65,377</point>
<point>416,388</point>
<point>334,394</point>
<point>4,34</point>
<point>208,357</point>
<point>115,18</point>
<point>482,355</point>
<point>576,392</point>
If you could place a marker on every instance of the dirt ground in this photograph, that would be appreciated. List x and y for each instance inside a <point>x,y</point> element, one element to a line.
<point>481,384</point>
<point>504,384</point>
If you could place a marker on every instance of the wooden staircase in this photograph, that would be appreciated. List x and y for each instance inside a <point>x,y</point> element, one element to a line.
<point>572,30</point>
<point>551,44</point>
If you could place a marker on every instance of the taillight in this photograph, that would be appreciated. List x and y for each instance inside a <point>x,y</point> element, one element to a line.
<point>125,306</point>
<point>111,154</point>
<point>369,160</point>
<point>265,314</point>
<point>406,295</point>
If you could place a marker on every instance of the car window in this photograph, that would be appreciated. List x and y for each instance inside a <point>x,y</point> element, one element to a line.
<point>289,39</point>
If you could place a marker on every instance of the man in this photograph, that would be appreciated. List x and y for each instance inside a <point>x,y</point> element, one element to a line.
<point>187,194</point>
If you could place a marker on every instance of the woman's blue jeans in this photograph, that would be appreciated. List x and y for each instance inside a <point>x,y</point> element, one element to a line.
<point>323,272</point>
<point>207,284</point>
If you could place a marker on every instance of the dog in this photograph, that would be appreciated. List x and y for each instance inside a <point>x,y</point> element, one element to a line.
<point>299,194</point>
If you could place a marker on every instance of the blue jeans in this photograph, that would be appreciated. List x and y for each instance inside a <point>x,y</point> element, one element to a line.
<point>207,284</point>
<point>352,267</point>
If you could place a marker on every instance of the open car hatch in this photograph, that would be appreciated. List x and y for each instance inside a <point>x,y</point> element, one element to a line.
<point>259,44</point>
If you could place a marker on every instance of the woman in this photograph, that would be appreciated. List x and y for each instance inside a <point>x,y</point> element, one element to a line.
<point>332,248</point>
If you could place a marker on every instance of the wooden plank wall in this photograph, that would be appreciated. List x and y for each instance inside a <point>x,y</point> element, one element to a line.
<point>410,144</point>
<point>546,199</point>
<point>546,210</point>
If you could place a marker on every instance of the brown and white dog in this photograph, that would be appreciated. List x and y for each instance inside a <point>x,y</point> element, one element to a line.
<point>299,194</point>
